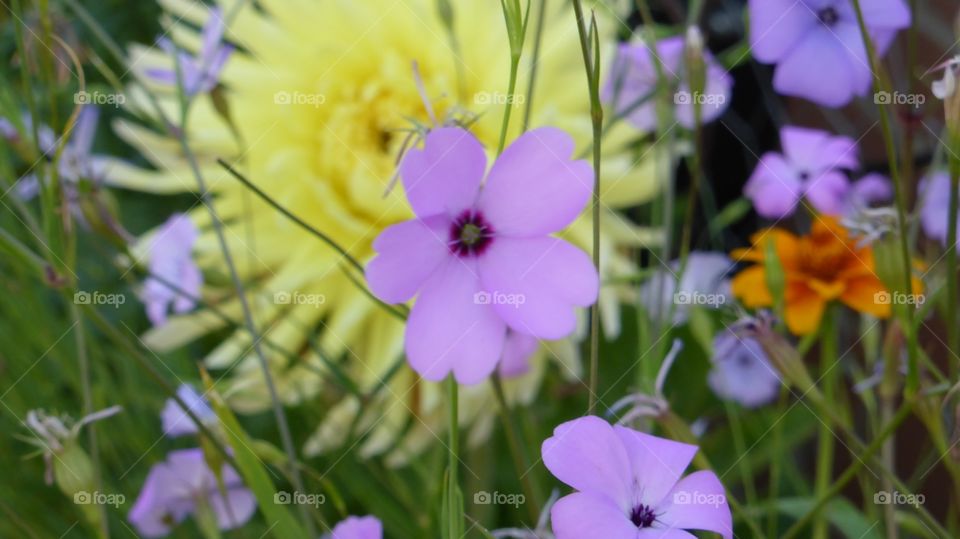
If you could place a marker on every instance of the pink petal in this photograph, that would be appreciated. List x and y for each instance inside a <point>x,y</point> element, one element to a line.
<point>408,253</point>
<point>535,188</point>
<point>835,81</point>
<point>535,283</point>
<point>516,354</point>
<point>698,502</point>
<point>235,510</point>
<point>358,528</point>
<point>586,516</point>
<point>773,188</point>
<point>449,330</point>
<point>664,533</point>
<point>776,26</point>
<point>586,454</point>
<point>657,463</point>
<point>444,176</point>
<point>828,193</point>
<point>886,14</point>
<point>812,150</point>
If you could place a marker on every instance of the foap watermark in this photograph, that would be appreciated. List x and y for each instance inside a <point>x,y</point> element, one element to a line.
<point>898,298</point>
<point>685,497</point>
<point>899,98</point>
<point>299,498</point>
<point>898,498</point>
<point>498,98</point>
<point>82,297</point>
<point>699,298</point>
<point>95,97</point>
<point>684,97</point>
<point>499,298</point>
<point>98,498</point>
<point>498,498</point>
<point>299,298</point>
<point>299,98</point>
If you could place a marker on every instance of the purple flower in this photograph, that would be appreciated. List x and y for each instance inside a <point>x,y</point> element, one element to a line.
<point>517,349</point>
<point>357,528</point>
<point>200,74</point>
<point>818,47</point>
<point>634,79</point>
<point>629,485</point>
<point>480,259</point>
<point>867,192</point>
<point>935,206</point>
<point>171,261</point>
<point>176,487</point>
<point>809,167</point>
<point>704,282</point>
<point>741,371</point>
<point>76,162</point>
<point>176,422</point>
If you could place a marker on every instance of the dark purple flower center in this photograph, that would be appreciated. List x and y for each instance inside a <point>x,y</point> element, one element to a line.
<point>642,516</point>
<point>828,16</point>
<point>470,234</point>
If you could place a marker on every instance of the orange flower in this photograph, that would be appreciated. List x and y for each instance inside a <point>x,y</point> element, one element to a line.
<point>824,266</point>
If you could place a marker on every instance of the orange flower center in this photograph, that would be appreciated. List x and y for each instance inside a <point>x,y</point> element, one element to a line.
<point>822,255</point>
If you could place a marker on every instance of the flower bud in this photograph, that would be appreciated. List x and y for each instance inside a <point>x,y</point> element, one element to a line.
<point>946,90</point>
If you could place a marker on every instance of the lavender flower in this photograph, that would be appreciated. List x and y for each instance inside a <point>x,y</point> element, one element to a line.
<point>935,206</point>
<point>634,79</point>
<point>629,485</point>
<point>368,527</point>
<point>817,45</point>
<point>171,261</point>
<point>704,282</point>
<point>184,484</point>
<point>741,371</point>
<point>810,166</point>
<point>481,260</point>
<point>198,74</point>
<point>176,422</point>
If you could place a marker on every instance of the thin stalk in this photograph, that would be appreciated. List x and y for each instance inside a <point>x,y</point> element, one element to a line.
<point>508,109</point>
<point>454,510</point>
<point>521,460</point>
<point>953,335</point>
<point>399,312</point>
<point>774,485</point>
<point>534,64</point>
<point>591,65</point>
<point>740,445</point>
<point>829,371</point>
<point>899,186</point>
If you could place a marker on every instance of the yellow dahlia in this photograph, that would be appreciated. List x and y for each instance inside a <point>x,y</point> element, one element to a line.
<point>319,95</point>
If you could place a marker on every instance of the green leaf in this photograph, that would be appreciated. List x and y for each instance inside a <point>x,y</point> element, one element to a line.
<point>254,472</point>
<point>841,514</point>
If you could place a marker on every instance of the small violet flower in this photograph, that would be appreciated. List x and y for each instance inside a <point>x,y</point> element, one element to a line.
<point>368,527</point>
<point>817,45</point>
<point>810,167</point>
<point>629,485</point>
<point>184,484</point>
<point>176,422</point>
<point>479,256</point>
<point>171,261</point>
<point>634,79</point>
<point>198,74</point>
<point>935,206</point>
<point>741,371</point>
<point>704,282</point>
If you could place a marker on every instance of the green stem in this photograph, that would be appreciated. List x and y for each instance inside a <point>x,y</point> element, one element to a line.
<point>521,460</point>
<point>508,108</point>
<point>534,65</point>
<point>591,65</point>
<point>829,370</point>
<point>740,445</point>
<point>953,335</point>
<point>454,501</point>
<point>899,185</point>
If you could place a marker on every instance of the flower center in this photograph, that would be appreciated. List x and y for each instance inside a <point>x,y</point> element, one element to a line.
<point>470,234</point>
<point>828,16</point>
<point>642,516</point>
<point>823,256</point>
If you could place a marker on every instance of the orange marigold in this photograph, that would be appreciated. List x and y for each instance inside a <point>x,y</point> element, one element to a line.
<point>818,268</point>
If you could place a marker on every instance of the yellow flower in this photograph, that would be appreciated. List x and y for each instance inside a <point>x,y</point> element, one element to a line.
<point>319,93</point>
<point>823,266</point>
